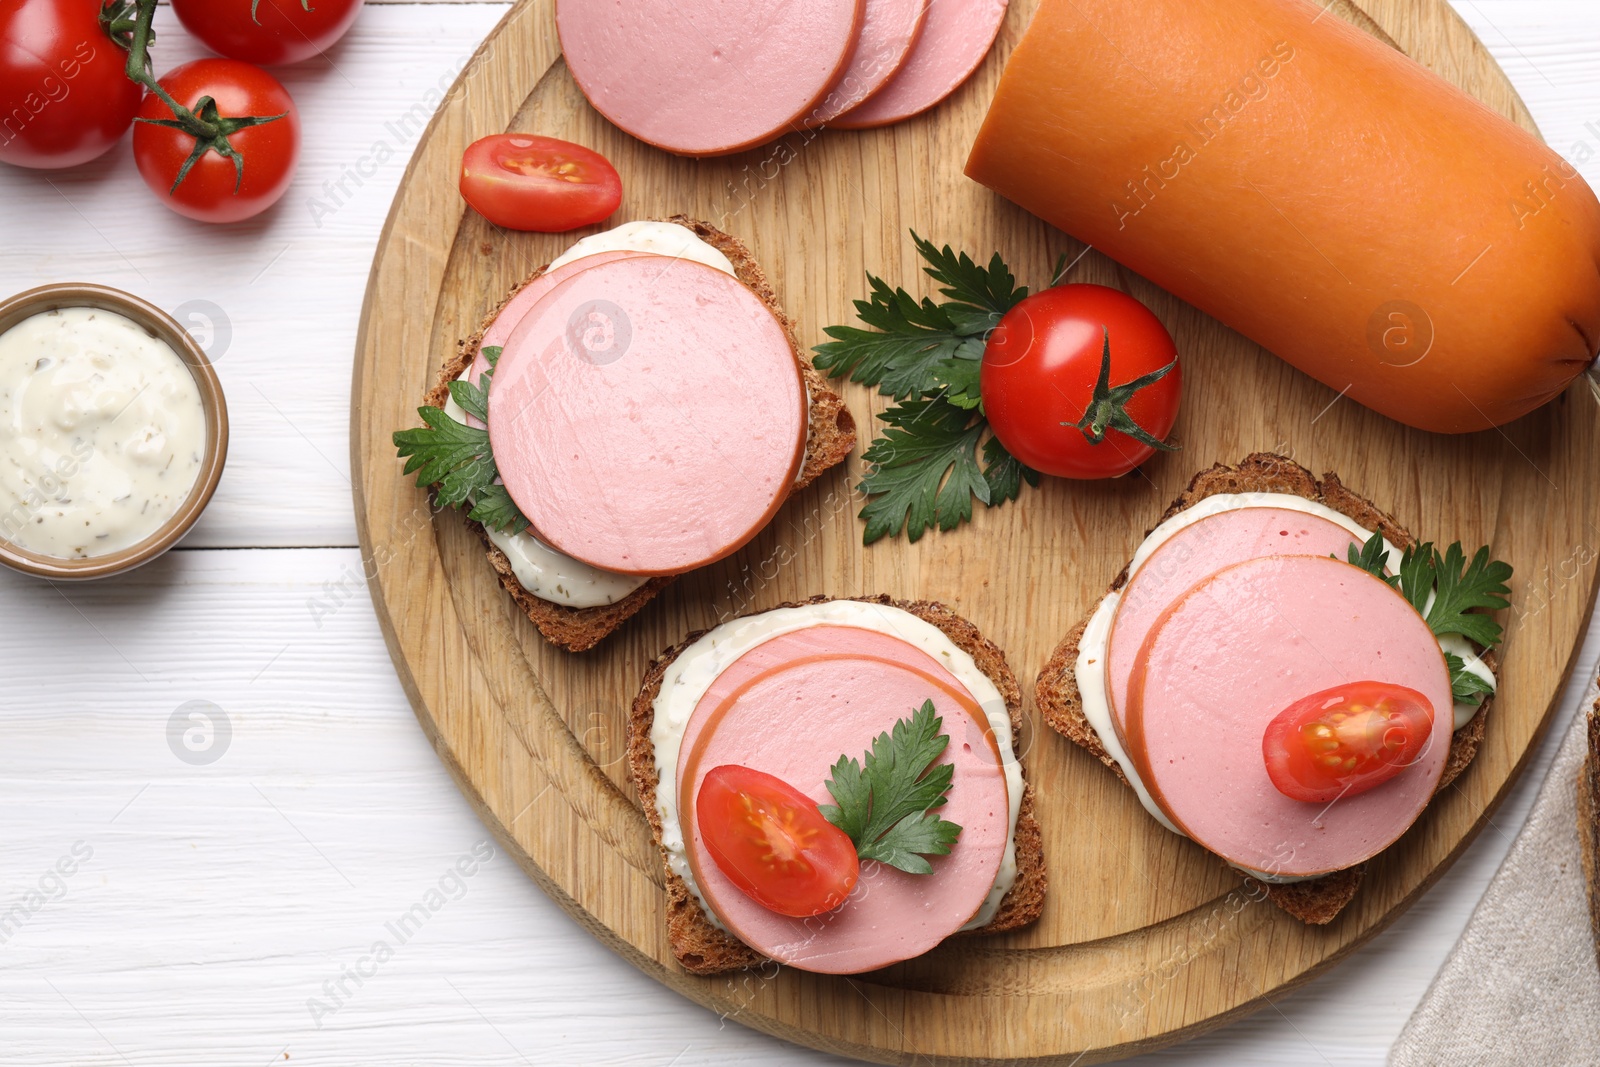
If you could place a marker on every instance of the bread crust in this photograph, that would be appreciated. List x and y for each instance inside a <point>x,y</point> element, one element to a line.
<point>1589,823</point>
<point>831,437</point>
<point>1319,900</point>
<point>702,948</point>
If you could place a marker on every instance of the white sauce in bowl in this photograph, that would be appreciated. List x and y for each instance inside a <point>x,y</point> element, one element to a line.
<point>102,433</point>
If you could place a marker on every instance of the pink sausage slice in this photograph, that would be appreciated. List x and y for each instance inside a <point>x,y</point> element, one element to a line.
<point>791,707</point>
<point>505,321</point>
<point>888,32</point>
<point>707,77</point>
<point>648,415</point>
<point>1190,556</point>
<point>1234,652</point>
<point>955,39</point>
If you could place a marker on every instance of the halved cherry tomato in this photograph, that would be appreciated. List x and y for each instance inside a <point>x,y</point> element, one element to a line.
<point>525,182</point>
<point>1042,388</point>
<point>773,843</point>
<point>1346,740</point>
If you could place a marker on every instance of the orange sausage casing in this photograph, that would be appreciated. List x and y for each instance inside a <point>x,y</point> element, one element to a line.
<point>1312,188</point>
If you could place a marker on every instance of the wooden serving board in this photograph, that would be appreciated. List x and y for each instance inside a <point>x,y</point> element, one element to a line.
<point>1145,938</point>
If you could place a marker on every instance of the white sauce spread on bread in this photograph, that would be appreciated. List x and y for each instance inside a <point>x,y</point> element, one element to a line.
<point>657,238</point>
<point>1090,668</point>
<point>102,431</point>
<point>689,676</point>
<point>541,570</point>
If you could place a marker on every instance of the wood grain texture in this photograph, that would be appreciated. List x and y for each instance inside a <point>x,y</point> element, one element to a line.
<point>1146,939</point>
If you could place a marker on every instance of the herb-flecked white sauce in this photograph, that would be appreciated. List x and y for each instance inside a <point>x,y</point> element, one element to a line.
<point>102,433</point>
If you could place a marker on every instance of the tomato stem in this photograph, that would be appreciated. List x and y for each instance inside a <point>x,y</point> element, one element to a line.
<point>128,23</point>
<point>305,5</point>
<point>1108,407</point>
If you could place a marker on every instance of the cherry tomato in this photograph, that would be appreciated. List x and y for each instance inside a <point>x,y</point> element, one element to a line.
<point>525,182</point>
<point>773,843</point>
<point>213,190</point>
<point>64,96</point>
<point>267,31</point>
<point>1346,740</point>
<point>1039,374</point>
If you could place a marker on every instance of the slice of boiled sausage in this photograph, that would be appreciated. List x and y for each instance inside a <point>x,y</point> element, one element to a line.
<point>791,707</point>
<point>709,77</point>
<point>954,40</point>
<point>888,31</point>
<point>648,415</point>
<point>1190,556</point>
<point>1238,649</point>
<point>500,328</point>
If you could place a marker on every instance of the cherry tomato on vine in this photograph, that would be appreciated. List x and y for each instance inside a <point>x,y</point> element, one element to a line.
<point>1346,740</point>
<point>220,187</point>
<point>64,96</point>
<point>272,32</point>
<point>772,842</point>
<point>1081,381</point>
<point>525,182</point>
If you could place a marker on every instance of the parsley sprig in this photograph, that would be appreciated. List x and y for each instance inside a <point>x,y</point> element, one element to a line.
<point>457,458</point>
<point>1452,594</point>
<point>925,471</point>
<point>887,801</point>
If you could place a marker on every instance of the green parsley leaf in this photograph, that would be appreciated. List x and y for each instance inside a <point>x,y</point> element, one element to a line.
<point>886,801</point>
<point>1465,687</point>
<point>1004,472</point>
<point>923,470</point>
<point>1417,576</point>
<point>457,459</point>
<point>492,505</point>
<point>1460,586</point>
<point>921,348</point>
<point>1372,557</point>
<point>1453,585</point>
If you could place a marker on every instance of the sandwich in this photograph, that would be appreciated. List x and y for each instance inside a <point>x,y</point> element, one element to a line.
<point>634,410</point>
<point>835,786</point>
<point>1283,674</point>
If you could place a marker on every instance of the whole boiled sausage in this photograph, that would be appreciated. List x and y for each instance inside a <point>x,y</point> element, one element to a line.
<point>1312,188</point>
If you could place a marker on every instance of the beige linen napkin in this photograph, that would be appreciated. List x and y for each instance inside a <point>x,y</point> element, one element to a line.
<point>1521,986</point>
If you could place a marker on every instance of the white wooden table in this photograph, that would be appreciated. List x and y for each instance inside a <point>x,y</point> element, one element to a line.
<point>227,912</point>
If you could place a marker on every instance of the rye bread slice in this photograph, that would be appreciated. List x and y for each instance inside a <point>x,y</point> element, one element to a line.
<point>1589,823</point>
<point>703,948</point>
<point>830,438</point>
<point>1319,900</point>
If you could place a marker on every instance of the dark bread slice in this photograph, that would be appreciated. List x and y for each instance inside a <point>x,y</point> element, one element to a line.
<point>1316,901</point>
<point>1589,822</point>
<point>703,948</point>
<point>830,438</point>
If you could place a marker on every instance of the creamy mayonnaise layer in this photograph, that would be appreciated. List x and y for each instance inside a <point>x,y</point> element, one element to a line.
<point>1090,668</point>
<point>657,238</point>
<point>543,571</point>
<point>698,666</point>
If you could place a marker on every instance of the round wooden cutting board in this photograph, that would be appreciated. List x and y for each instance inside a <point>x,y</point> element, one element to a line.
<point>1145,938</point>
